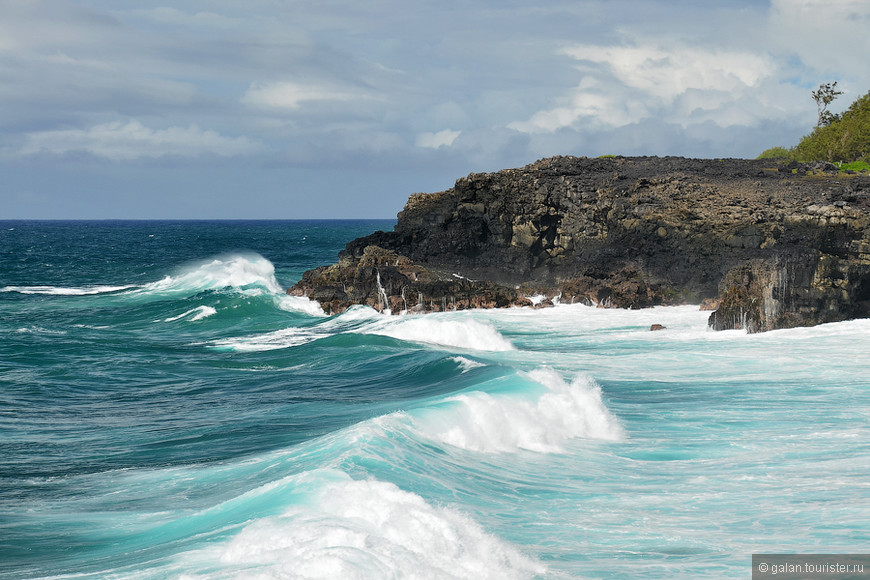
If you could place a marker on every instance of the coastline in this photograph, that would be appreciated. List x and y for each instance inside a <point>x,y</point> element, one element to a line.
<point>764,244</point>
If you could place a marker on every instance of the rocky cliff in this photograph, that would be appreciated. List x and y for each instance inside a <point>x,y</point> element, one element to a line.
<point>766,245</point>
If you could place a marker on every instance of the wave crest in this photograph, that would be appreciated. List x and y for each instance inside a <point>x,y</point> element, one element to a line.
<point>299,304</point>
<point>466,334</point>
<point>251,273</point>
<point>370,529</point>
<point>498,423</point>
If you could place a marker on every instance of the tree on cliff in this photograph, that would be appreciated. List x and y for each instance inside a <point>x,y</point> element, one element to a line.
<point>823,97</point>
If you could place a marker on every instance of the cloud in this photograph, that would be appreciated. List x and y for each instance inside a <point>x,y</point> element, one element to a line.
<point>427,94</point>
<point>622,85</point>
<point>121,141</point>
<point>443,138</point>
<point>287,95</point>
<point>667,73</point>
<point>175,17</point>
<point>829,36</point>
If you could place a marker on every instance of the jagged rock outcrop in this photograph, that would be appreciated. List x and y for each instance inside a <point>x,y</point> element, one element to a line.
<point>773,245</point>
<point>384,280</point>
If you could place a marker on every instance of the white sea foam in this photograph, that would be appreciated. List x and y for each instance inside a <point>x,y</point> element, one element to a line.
<point>536,299</point>
<point>465,334</point>
<point>299,304</point>
<point>197,313</point>
<point>62,291</point>
<point>365,529</point>
<point>204,312</point>
<point>284,338</point>
<point>349,321</point>
<point>582,318</point>
<point>466,364</point>
<point>362,313</point>
<point>542,422</point>
<point>40,330</point>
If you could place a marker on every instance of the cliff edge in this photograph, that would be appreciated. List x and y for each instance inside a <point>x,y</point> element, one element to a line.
<point>763,244</point>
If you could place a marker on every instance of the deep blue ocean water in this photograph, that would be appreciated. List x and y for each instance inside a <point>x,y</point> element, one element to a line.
<point>167,411</point>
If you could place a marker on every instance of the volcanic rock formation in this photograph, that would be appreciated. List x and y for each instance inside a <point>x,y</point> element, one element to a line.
<point>770,245</point>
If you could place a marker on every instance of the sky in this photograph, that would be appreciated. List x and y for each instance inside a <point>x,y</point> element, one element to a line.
<point>271,109</point>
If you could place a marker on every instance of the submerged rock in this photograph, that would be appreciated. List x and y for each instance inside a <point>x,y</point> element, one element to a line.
<point>767,245</point>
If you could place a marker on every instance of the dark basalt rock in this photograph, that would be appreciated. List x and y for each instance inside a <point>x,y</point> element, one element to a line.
<point>768,245</point>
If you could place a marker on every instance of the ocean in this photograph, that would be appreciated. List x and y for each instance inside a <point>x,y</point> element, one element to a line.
<point>168,411</point>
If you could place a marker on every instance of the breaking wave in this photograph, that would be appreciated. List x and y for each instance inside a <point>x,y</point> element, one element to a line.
<point>539,421</point>
<point>428,329</point>
<point>251,273</point>
<point>351,529</point>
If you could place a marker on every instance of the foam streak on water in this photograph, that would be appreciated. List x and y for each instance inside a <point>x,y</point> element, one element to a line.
<point>194,314</point>
<point>429,330</point>
<point>56,291</point>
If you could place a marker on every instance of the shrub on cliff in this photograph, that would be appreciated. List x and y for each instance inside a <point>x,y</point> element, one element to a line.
<point>776,153</point>
<point>845,139</point>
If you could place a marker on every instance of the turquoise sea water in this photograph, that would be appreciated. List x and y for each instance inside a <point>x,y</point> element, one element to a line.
<point>167,411</point>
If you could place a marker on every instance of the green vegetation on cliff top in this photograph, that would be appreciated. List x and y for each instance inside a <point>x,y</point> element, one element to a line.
<point>840,139</point>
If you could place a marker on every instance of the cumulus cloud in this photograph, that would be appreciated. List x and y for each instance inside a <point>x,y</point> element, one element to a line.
<point>622,85</point>
<point>667,73</point>
<point>121,141</point>
<point>443,138</point>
